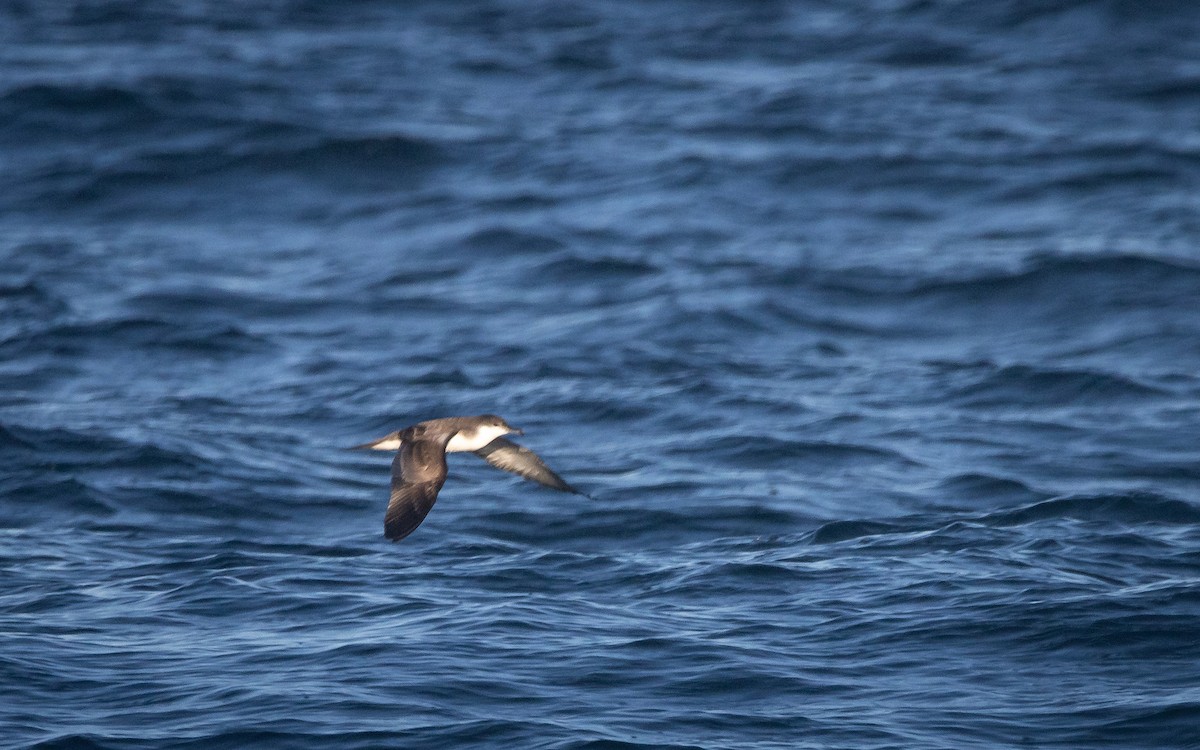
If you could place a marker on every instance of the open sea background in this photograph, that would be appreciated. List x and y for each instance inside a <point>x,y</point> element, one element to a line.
<point>872,327</point>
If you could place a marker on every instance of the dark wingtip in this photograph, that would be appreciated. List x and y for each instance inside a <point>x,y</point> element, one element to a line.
<point>562,486</point>
<point>568,488</point>
<point>394,535</point>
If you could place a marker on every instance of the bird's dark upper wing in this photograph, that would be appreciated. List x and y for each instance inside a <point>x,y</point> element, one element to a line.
<point>408,507</point>
<point>508,456</point>
<point>418,473</point>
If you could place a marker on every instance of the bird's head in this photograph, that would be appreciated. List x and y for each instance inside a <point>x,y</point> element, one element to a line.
<point>494,427</point>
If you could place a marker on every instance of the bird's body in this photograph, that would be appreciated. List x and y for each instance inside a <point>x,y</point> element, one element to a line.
<point>419,468</point>
<point>468,434</point>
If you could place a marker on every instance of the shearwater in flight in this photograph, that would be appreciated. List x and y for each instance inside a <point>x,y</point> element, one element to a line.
<point>419,468</point>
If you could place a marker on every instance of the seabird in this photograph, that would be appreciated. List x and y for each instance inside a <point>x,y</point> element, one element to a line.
<point>419,468</point>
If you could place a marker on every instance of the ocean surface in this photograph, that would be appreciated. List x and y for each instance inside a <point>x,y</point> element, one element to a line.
<point>871,328</point>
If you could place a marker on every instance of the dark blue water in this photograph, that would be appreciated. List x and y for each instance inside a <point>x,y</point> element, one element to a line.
<point>871,327</point>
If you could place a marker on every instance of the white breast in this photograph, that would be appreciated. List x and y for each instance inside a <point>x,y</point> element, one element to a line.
<point>468,441</point>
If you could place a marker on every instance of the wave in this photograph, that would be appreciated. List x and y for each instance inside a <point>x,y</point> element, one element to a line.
<point>199,305</point>
<point>1173,90</point>
<point>599,269</point>
<point>1159,723</point>
<point>842,531</point>
<point>1127,307</point>
<point>348,161</point>
<point>980,486</point>
<point>508,240</point>
<point>386,156</point>
<point>62,442</point>
<point>152,147</point>
<point>1028,385</point>
<point>587,523</point>
<point>71,109</point>
<point>134,333</point>
<point>1132,508</point>
<point>28,300</point>
<point>10,439</point>
<point>52,499</point>
<point>92,475</point>
<point>767,451</point>
<point>1103,278</point>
